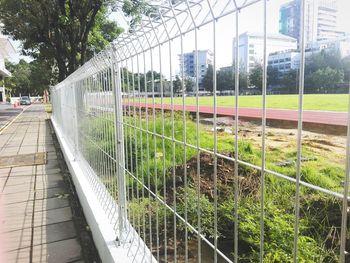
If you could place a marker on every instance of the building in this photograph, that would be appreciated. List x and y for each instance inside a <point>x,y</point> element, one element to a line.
<point>342,44</point>
<point>188,64</point>
<point>284,60</point>
<point>6,49</point>
<point>320,20</point>
<point>251,47</point>
<point>290,59</point>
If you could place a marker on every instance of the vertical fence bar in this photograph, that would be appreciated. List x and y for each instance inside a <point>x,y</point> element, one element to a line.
<point>300,128</point>
<point>262,179</point>
<point>344,220</point>
<point>155,169</point>
<point>119,144</point>
<point>236,187</point>
<point>184,127</point>
<point>198,173</point>
<point>215,234</point>
<point>147,130</point>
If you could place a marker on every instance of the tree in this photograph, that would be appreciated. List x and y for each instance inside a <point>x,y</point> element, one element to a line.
<point>63,31</point>
<point>322,60</point>
<point>190,84</point>
<point>42,76</point>
<point>255,76</point>
<point>19,83</point>
<point>289,81</point>
<point>225,80</point>
<point>177,85</point>
<point>29,78</point>
<point>272,76</point>
<point>346,68</point>
<point>324,80</point>
<point>208,79</point>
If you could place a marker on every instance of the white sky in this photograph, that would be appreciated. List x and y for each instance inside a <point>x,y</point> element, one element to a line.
<point>251,19</point>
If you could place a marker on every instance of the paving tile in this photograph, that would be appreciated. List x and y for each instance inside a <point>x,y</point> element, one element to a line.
<point>53,180</point>
<point>53,233</point>
<point>61,251</point>
<point>19,256</point>
<point>18,209</point>
<point>2,183</point>
<point>4,172</point>
<point>18,197</point>
<point>18,239</point>
<point>47,170</point>
<point>50,193</point>
<point>20,180</point>
<point>16,222</point>
<point>13,189</point>
<point>52,216</point>
<point>50,203</point>
<point>23,170</point>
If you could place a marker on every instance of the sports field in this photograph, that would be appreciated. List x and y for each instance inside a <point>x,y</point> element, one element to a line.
<point>322,102</point>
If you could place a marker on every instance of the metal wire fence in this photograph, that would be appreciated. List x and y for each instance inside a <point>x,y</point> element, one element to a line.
<point>181,189</point>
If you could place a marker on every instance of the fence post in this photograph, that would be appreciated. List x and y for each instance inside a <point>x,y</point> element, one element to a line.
<point>76,120</point>
<point>119,144</point>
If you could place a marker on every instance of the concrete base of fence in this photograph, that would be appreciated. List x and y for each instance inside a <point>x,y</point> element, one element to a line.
<point>102,229</point>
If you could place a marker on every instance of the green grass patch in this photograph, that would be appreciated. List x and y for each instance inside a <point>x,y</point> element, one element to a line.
<point>48,108</point>
<point>322,102</point>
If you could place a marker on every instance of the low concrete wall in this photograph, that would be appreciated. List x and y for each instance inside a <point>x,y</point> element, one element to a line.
<point>132,247</point>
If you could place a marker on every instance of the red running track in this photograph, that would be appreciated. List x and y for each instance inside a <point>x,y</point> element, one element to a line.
<point>317,117</point>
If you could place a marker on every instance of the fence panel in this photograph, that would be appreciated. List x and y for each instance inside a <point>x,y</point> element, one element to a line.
<point>181,187</point>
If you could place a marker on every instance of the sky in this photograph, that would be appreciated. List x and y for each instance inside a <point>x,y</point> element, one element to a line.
<point>251,19</point>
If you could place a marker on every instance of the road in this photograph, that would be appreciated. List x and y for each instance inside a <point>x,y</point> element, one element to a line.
<point>8,113</point>
<point>317,117</point>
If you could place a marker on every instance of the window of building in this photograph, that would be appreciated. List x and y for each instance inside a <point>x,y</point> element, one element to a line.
<point>281,60</point>
<point>251,51</point>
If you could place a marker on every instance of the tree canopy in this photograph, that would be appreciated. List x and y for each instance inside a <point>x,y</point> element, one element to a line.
<point>66,32</point>
<point>29,78</point>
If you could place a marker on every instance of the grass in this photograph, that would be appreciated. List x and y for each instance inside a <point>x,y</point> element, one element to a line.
<point>48,108</point>
<point>324,102</point>
<point>320,213</point>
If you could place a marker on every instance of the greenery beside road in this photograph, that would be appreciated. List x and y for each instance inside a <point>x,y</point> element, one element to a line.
<point>322,102</point>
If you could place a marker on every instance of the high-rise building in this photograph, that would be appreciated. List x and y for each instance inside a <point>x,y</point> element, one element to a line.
<point>251,47</point>
<point>6,49</point>
<point>188,64</point>
<point>289,23</point>
<point>320,20</point>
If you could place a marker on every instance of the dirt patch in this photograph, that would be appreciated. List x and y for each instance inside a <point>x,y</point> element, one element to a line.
<point>280,138</point>
<point>248,178</point>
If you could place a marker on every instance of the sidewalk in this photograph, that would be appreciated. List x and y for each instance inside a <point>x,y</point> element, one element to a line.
<point>36,219</point>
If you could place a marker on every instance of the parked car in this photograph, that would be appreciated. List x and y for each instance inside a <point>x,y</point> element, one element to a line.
<point>25,100</point>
